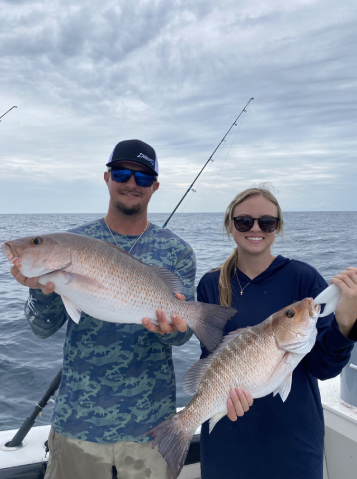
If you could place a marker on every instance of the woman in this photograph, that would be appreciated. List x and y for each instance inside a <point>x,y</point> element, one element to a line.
<point>274,439</point>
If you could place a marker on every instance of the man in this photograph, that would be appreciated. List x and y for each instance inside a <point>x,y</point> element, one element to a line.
<point>118,380</point>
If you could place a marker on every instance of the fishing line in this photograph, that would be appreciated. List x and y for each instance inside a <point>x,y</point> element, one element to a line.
<point>198,185</point>
<point>205,173</point>
<point>208,161</point>
<point>219,154</point>
<point>235,136</point>
<point>18,126</point>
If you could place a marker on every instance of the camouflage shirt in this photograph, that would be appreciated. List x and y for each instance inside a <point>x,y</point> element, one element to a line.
<point>118,380</point>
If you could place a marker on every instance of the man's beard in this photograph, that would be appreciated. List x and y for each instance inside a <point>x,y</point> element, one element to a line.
<point>128,210</point>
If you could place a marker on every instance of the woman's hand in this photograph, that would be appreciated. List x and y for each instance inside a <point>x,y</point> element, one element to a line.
<point>164,327</point>
<point>346,311</point>
<point>239,403</point>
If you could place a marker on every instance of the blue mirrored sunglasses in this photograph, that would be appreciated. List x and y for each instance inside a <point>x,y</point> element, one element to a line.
<point>123,175</point>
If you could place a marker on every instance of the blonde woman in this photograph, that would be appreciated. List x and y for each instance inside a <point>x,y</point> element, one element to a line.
<point>274,439</point>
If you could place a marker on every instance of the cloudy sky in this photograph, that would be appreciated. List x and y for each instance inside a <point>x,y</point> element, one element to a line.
<point>176,73</point>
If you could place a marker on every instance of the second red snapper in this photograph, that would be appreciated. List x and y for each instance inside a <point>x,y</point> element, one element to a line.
<point>259,359</point>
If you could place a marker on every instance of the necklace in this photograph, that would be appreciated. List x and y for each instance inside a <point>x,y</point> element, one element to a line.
<point>110,231</point>
<point>241,290</point>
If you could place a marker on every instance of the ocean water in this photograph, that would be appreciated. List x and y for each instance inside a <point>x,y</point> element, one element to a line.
<point>326,240</point>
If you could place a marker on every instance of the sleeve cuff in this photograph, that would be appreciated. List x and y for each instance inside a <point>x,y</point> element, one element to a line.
<point>40,296</point>
<point>175,339</point>
<point>335,340</point>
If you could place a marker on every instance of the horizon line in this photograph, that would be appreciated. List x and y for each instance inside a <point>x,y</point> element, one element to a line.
<point>183,213</point>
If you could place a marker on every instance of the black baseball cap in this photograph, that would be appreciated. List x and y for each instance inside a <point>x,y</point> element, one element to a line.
<point>137,151</point>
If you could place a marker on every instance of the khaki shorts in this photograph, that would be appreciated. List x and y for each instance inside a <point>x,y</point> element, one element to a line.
<point>75,459</point>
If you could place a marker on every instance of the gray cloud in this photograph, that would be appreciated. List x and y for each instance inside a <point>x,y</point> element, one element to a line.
<point>176,74</point>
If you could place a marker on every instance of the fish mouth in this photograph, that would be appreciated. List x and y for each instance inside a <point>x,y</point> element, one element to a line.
<point>10,253</point>
<point>313,310</point>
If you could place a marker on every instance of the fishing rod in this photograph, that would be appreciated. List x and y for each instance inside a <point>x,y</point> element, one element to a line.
<point>16,441</point>
<point>7,111</point>
<point>209,159</point>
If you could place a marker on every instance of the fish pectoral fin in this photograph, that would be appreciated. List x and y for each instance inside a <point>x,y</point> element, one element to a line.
<point>71,309</point>
<point>284,370</point>
<point>214,419</point>
<point>81,282</point>
<point>284,388</point>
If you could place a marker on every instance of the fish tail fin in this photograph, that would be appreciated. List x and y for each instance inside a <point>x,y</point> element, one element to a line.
<point>173,439</point>
<point>209,324</point>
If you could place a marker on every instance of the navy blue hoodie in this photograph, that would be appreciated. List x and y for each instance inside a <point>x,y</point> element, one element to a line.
<point>275,440</point>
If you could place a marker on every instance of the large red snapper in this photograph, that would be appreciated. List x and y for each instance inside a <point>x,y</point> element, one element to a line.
<point>107,283</point>
<point>259,359</point>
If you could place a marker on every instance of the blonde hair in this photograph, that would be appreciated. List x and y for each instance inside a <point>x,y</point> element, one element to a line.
<point>226,268</point>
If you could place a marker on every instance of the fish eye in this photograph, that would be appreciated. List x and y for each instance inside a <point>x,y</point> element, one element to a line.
<point>290,313</point>
<point>36,241</point>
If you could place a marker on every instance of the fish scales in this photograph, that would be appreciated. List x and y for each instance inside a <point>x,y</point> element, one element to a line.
<point>226,373</point>
<point>109,284</point>
<point>260,359</point>
<point>117,282</point>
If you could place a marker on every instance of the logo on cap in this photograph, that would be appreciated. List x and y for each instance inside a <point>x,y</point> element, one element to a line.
<point>141,155</point>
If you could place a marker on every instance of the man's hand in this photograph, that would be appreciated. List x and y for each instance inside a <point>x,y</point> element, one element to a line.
<point>164,327</point>
<point>346,311</point>
<point>239,403</point>
<point>31,282</point>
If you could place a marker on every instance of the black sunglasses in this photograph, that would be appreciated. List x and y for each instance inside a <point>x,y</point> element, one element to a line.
<point>268,224</point>
<point>123,175</point>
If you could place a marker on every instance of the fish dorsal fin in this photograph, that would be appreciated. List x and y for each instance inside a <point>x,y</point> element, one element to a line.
<point>192,378</point>
<point>169,278</point>
<point>173,282</point>
<point>228,339</point>
<point>72,311</point>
